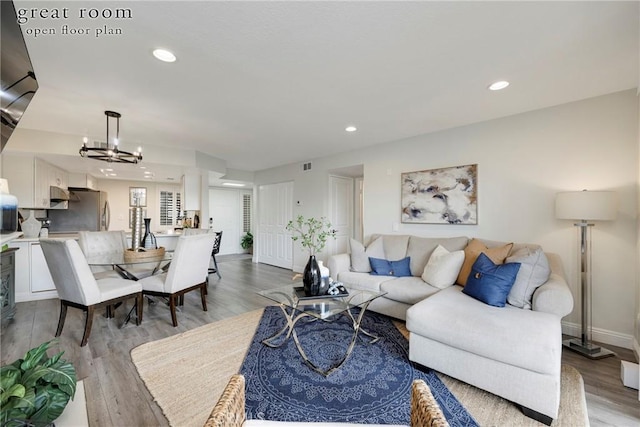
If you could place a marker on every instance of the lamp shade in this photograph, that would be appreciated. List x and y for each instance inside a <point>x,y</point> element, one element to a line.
<point>587,205</point>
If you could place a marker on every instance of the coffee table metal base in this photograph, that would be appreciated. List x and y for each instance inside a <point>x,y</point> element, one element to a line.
<point>289,329</point>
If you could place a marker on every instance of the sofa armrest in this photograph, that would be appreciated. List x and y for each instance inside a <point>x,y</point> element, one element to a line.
<point>338,263</point>
<point>554,296</point>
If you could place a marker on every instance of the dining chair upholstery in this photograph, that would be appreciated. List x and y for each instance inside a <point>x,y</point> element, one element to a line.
<point>104,243</point>
<point>77,287</point>
<point>216,245</point>
<point>187,272</point>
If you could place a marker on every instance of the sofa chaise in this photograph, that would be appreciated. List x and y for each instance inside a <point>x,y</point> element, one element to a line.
<point>513,351</point>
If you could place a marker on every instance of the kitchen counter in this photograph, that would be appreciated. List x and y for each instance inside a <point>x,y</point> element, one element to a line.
<point>61,236</point>
<point>6,238</point>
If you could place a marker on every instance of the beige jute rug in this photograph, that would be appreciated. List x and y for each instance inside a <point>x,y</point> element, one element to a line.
<point>186,374</point>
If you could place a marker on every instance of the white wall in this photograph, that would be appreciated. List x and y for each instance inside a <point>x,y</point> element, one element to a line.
<point>523,161</point>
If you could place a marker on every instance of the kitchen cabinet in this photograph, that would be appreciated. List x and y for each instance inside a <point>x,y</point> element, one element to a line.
<point>30,179</point>
<point>83,180</point>
<point>191,191</point>
<point>32,278</point>
<point>41,279</point>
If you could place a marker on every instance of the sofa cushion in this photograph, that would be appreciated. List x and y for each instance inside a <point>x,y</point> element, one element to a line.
<point>383,267</point>
<point>474,248</point>
<point>395,245</point>
<point>528,339</point>
<point>443,267</point>
<point>365,281</point>
<point>534,272</point>
<point>489,282</point>
<point>421,248</point>
<point>408,290</point>
<point>360,255</point>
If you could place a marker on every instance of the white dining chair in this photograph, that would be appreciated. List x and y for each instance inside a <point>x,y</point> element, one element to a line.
<point>216,246</point>
<point>104,243</point>
<point>187,272</point>
<point>78,288</point>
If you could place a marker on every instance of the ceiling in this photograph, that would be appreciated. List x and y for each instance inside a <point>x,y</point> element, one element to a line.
<point>262,84</point>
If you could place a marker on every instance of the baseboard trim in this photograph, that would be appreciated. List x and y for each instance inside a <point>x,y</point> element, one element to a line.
<point>601,335</point>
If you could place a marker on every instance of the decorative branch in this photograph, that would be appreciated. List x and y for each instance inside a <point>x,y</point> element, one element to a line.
<point>312,233</point>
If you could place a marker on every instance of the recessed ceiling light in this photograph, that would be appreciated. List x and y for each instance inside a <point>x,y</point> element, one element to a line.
<point>499,85</point>
<point>143,167</point>
<point>164,55</point>
<point>351,128</point>
<point>233,184</point>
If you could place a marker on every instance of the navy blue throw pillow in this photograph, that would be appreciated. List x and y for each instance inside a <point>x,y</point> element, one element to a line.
<point>491,283</point>
<point>382,267</point>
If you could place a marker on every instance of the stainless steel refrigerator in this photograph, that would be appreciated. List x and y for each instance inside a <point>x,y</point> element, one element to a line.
<point>88,211</point>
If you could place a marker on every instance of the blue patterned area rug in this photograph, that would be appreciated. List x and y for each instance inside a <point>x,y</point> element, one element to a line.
<point>372,387</point>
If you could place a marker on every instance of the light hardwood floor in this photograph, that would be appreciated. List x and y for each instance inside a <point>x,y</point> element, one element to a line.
<point>117,397</point>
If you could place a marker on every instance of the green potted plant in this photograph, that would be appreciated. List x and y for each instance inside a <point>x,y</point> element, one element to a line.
<point>312,234</point>
<point>35,390</point>
<point>247,242</point>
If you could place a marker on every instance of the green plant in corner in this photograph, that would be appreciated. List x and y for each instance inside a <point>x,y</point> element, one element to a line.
<point>312,233</point>
<point>247,240</point>
<point>35,390</point>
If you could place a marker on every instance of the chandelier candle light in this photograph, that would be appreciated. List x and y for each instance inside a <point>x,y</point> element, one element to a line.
<point>585,206</point>
<point>111,153</point>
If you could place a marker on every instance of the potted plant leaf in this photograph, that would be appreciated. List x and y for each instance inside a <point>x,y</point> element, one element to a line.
<point>312,234</point>
<point>247,242</point>
<point>35,390</point>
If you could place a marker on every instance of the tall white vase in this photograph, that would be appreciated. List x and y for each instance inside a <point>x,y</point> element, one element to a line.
<point>31,227</point>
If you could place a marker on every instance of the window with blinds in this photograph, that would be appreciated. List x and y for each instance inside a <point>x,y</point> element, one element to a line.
<point>170,207</point>
<point>246,212</point>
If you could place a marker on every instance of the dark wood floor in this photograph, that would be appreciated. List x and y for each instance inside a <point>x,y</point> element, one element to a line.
<point>117,397</point>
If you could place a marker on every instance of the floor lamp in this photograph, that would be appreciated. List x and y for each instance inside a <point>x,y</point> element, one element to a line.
<point>585,206</point>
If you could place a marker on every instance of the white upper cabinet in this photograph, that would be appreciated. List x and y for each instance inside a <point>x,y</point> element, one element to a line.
<point>83,180</point>
<point>30,179</point>
<point>191,184</point>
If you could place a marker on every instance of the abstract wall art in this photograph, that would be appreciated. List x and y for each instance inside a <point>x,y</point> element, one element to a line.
<point>441,196</point>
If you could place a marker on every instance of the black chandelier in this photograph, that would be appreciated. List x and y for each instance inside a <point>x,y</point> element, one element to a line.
<point>111,153</point>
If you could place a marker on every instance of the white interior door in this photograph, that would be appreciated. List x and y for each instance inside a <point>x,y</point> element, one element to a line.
<point>275,210</point>
<point>340,213</point>
<point>225,209</point>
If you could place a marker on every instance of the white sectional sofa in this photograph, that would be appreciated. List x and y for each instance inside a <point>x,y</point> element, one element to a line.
<point>512,351</point>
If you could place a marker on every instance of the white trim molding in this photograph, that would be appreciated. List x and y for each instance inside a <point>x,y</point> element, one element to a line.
<point>601,335</point>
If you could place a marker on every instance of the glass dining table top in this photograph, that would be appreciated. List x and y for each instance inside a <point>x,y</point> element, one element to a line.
<point>119,259</point>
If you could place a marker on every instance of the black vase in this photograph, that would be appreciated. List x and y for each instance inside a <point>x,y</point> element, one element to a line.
<point>148,240</point>
<point>311,277</point>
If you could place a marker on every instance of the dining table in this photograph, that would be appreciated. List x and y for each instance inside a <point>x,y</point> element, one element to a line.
<point>132,268</point>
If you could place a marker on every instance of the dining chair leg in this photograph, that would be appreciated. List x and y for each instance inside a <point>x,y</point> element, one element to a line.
<point>87,326</point>
<point>215,264</point>
<point>203,296</point>
<point>61,319</point>
<point>172,307</point>
<point>139,307</point>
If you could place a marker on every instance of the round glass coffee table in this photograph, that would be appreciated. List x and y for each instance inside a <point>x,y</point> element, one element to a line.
<point>295,306</point>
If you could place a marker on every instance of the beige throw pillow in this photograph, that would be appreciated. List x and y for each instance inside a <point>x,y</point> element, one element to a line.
<point>360,255</point>
<point>471,252</point>
<point>443,267</point>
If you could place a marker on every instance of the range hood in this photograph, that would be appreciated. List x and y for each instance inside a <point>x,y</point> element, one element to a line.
<point>57,194</point>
